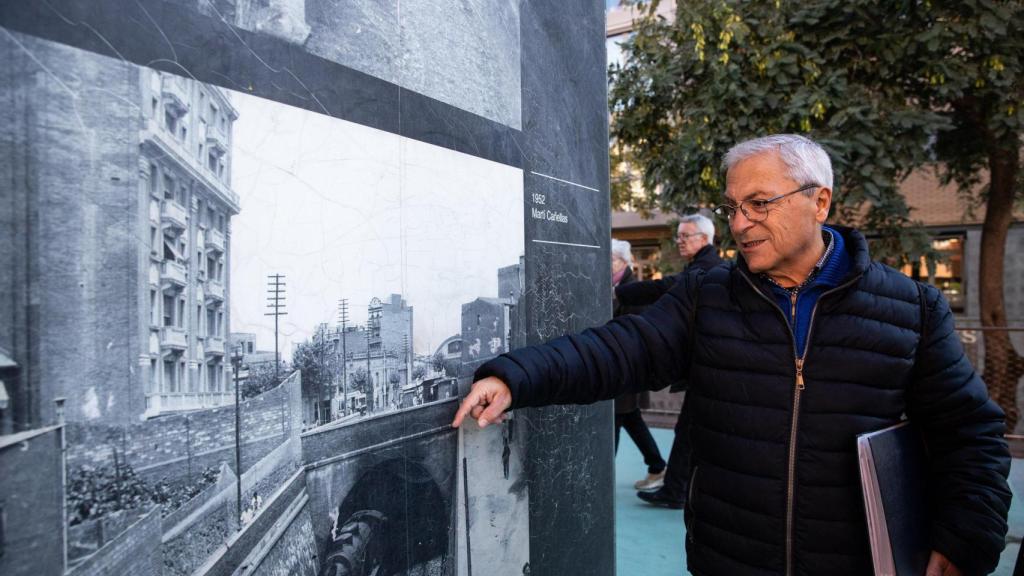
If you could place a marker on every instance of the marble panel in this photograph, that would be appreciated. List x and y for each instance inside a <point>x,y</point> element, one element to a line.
<point>464,53</point>
<point>369,170</point>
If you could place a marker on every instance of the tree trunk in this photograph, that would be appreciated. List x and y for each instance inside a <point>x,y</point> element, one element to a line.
<point>1003,365</point>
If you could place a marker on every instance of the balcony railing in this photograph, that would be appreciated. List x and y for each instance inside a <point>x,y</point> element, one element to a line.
<point>175,93</point>
<point>173,273</point>
<point>215,290</point>
<point>173,213</point>
<point>173,338</point>
<point>156,140</point>
<point>216,141</point>
<point>215,346</point>
<point>215,240</point>
<point>173,401</point>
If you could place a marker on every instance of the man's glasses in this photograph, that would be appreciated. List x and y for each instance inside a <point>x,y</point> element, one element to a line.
<point>756,210</point>
<point>684,237</point>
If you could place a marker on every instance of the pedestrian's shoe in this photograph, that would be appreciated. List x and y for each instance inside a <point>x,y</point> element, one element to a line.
<point>651,482</point>
<point>663,498</point>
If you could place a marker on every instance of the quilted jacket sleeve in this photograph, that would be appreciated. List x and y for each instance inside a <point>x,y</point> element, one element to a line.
<point>644,292</point>
<point>631,353</point>
<point>970,459</point>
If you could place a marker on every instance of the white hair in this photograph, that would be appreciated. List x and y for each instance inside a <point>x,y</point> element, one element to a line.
<point>807,161</point>
<point>623,250</point>
<point>704,225</point>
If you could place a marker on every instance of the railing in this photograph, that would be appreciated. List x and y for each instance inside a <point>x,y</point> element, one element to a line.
<point>215,240</point>
<point>175,92</point>
<point>216,141</point>
<point>173,401</point>
<point>173,337</point>
<point>215,290</point>
<point>215,346</point>
<point>155,136</point>
<point>173,213</point>
<point>995,353</point>
<point>174,273</point>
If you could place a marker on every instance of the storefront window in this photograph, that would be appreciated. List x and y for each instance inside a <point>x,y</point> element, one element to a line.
<point>948,274</point>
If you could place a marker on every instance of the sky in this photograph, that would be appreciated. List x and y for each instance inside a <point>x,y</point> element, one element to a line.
<point>346,211</point>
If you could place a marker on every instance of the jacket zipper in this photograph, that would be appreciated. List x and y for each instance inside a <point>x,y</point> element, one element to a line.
<point>798,389</point>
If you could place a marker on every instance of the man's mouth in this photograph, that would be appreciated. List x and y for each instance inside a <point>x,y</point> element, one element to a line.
<point>751,244</point>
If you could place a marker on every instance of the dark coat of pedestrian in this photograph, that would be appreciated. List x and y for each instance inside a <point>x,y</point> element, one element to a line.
<point>628,406</point>
<point>695,236</point>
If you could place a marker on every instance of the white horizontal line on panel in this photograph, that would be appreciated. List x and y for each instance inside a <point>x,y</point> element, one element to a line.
<point>565,244</point>
<point>566,181</point>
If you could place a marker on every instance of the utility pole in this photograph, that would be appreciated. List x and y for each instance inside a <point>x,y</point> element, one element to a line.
<point>236,363</point>
<point>276,305</point>
<point>407,358</point>
<point>369,375</point>
<point>321,352</point>
<point>343,320</point>
<point>385,383</point>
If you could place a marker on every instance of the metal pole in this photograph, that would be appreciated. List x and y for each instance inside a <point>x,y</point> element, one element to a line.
<point>344,357</point>
<point>323,371</point>
<point>369,374</point>
<point>276,303</point>
<point>238,443</point>
<point>63,479</point>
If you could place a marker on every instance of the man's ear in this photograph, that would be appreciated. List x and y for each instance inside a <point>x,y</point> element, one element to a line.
<point>823,202</point>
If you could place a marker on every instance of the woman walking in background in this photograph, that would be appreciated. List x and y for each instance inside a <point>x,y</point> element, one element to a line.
<point>627,406</point>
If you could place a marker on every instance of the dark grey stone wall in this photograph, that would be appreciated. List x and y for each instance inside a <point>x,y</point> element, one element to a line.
<point>565,136</point>
<point>31,499</point>
<point>517,83</point>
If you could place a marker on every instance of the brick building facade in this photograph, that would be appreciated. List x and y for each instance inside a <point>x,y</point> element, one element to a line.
<point>120,207</point>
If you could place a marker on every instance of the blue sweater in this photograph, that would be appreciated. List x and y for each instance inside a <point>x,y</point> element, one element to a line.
<point>832,272</point>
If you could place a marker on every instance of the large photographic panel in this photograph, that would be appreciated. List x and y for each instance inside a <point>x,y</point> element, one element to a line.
<point>252,252</point>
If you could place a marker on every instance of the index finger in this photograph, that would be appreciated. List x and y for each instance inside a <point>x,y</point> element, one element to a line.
<point>468,403</point>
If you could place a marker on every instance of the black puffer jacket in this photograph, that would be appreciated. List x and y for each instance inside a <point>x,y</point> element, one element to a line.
<point>775,487</point>
<point>647,292</point>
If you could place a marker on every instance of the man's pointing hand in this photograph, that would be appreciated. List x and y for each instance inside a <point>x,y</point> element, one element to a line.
<point>487,401</point>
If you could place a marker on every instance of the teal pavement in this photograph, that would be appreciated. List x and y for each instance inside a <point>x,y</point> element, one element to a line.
<point>649,541</point>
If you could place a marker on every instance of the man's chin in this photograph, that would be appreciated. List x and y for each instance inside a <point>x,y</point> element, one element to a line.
<point>756,267</point>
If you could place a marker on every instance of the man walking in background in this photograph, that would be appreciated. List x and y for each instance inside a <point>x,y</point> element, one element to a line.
<point>695,237</point>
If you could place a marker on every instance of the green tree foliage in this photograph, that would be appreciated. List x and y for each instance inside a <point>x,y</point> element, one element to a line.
<point>261,379</point>
<point>359,379</point>
<point>452,368</point>
<point>419,372</point>
<point>886,87</point>
<point>95,492</point>
<point>317,365</point>
<point>437,361</point>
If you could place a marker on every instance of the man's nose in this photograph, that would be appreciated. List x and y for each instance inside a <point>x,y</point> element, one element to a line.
<point>739,223</point>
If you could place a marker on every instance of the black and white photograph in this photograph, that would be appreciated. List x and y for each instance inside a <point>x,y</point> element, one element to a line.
<point>253,322</point>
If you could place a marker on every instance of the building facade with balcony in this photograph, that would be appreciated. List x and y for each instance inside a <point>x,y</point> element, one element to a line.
<point>120,210</point>
<point>184,173</point>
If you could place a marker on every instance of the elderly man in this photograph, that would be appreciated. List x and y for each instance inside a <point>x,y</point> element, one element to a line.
<point>695,237</point>
<point>790,353</point>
